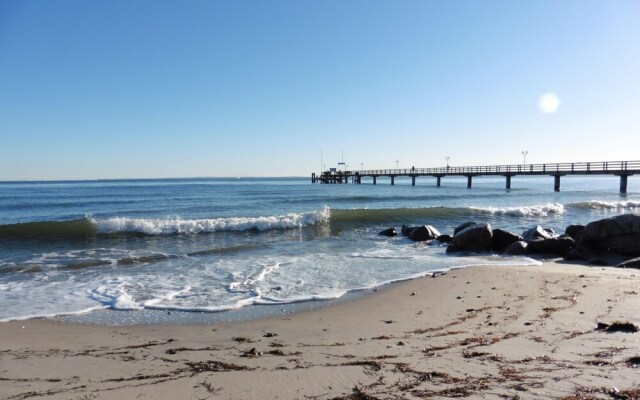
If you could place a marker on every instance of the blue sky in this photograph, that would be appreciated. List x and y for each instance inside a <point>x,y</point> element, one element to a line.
<point>142,89</point>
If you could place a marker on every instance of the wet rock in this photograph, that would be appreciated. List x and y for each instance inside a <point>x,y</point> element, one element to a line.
<point>452,248</point>
<point>406,230</point>
<point>390,232</point>
<point>516,249</point>
<point>574,231</point>
<point>476,237</point>
<point>560,245</point>
<point>623,244</point>
<point>536,232</point>
<point>462,226</point>
<point>423,233</point>
<point>632,263</point>
<point>583,253</point>
<point>444,238</point>
<point>501,239</point>
<point>619,234</point>
<point>597,261</point>
<point>626,224</point>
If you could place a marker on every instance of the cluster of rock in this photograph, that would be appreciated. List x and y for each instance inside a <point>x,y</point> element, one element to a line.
<point>611,238</point>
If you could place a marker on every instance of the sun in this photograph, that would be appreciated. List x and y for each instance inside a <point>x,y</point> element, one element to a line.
<point>548,103</point>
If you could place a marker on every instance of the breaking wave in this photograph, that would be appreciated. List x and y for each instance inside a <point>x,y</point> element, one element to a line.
<point>90,226</point>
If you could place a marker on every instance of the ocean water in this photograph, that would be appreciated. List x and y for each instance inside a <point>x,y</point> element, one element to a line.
<point>208,246</point>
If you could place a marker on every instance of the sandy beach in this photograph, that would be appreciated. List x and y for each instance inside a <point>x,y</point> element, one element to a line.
<point>480,332</point>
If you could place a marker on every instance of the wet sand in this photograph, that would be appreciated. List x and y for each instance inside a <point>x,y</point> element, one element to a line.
<point>525,332</point>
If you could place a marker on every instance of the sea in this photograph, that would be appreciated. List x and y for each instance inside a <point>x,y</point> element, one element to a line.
<point>210,249</point>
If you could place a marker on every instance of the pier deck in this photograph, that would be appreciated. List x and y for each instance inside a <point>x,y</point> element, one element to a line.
<point>623,169</point>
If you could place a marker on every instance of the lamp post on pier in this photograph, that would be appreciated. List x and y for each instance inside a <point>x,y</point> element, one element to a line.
<point>524,155</point>
<point>447,158</point>
<point>397,163</point>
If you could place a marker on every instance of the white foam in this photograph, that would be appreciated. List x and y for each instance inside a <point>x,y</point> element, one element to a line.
<point>124,302</point>
<point>249,284</point>
<point>151,226</point>
<point>530,211</point>
<point>608,205</point>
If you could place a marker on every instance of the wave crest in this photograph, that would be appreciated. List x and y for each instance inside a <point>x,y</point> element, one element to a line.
<point>607,205</point>
<point>191,226</point>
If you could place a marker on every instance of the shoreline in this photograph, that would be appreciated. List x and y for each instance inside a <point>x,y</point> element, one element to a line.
<point>476,331</point>
<point>150,316</point>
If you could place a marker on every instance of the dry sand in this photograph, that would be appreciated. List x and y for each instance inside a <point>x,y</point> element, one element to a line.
<point>481,332</point>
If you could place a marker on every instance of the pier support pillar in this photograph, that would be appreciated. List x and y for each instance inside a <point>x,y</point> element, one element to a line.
<point>438,180</point>
<point>623,183</point>
<point>556,183</point>
<point>413,181</point>
<point>374,180</point>
<point>508,181</point>
<point>469,181</point>
<point>393,180</point>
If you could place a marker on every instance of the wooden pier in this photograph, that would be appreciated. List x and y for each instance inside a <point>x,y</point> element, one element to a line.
<point>623,169</point>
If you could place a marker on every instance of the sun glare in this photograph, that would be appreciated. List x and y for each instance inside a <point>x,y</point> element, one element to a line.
<point>548,103</point>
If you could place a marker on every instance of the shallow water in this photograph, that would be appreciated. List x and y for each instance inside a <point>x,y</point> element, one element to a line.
<point>210,245</point>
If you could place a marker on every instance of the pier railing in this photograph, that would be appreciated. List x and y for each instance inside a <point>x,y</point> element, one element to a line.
<point>606,167</point>
<point>623,169</point>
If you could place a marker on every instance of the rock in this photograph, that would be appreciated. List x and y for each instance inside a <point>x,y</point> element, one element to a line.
<point>463,226</point>
<point>476,237</point>
<point>626,224</point>
<point>390,232</point>
<point>502,239</point>
<point>632,263</point>
<point>444,238</point>
<point>574,231</point>
<point>452,248</point>
<point>560,245</point>
<point>406,230</point>
<point>536,233</point>
<point>579,254</point>
<point>423,233</point>
<point>516,249</point>
<point>623,244</point>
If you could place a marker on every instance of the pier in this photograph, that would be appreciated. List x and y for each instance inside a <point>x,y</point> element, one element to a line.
<point>623,169</point>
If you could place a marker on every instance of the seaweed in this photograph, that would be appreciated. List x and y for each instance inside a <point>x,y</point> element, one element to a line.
<point>215,366</point>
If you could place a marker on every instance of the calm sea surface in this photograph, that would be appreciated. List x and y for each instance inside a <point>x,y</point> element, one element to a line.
<point>210,245</point>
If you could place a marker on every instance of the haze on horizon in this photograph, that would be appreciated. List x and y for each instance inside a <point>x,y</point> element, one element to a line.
<point>149,89</point>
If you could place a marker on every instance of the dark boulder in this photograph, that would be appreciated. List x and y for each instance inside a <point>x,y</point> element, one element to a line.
<point>406,230</point>
<point>632,263</point>
<point>444,238</point>
<point>582,253</point>
<point>574,231</point>
<point>536,233</point>
<point>462,226</point>
<point>390,232</point>
<point>516,249</point>
<point>476,237</point>
<point>560,245</point>
<point>452,248</point>
<point>423,233</point>
<point>626,224</point>
<point>502,239</point>
<point>623,244</point>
